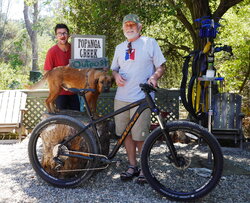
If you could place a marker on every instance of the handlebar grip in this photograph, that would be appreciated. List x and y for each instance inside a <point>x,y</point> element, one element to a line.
<point>147,88</point>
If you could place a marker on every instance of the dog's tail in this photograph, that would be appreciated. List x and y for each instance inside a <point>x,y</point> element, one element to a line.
<point>38,84</point>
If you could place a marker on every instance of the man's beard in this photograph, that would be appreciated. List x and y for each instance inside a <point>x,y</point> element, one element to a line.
<point>131,35</point>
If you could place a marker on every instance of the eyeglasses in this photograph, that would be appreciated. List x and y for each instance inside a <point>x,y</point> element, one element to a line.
<point>129,47</point>
<point>59,34</point>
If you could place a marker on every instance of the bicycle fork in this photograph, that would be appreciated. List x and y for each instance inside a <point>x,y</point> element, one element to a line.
<point>169,141</point>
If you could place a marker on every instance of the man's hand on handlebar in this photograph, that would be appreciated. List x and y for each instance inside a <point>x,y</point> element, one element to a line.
<point>152,81</point>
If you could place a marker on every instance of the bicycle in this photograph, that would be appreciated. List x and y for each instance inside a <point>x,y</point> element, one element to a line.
<point>164,161</point>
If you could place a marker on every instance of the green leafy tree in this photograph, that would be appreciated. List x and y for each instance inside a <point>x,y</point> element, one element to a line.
<point>104,17</point>
<point>236,69</point>
<point>11,78</point>
<point>236,32</point>
<point>171,22</point>
<point>15,46</point>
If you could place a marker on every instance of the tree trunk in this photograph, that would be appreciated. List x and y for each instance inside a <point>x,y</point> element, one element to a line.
<point>3,22</point>
<point>32,32</point>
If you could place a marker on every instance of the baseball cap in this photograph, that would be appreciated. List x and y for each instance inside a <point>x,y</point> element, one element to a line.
<point>131,17</point>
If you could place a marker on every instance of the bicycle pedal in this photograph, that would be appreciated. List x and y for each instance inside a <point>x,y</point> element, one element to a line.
<point>105,160</point>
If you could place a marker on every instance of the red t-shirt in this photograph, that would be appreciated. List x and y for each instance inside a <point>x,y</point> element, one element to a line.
<point>56,57</point>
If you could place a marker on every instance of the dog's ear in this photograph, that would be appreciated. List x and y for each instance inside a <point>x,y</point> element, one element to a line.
<point>96,81</point>
<point>97,76</point>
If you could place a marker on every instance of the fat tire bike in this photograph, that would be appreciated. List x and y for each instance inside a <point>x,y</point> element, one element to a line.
<point>65,153</point>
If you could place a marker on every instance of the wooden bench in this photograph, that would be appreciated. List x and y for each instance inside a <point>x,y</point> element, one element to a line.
<point>227,121</point>
<point>12,107</point>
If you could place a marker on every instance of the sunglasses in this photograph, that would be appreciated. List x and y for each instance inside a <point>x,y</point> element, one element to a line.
<point>129,47</point>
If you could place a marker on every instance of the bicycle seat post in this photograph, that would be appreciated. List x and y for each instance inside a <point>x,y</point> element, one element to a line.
<point>87,106</point>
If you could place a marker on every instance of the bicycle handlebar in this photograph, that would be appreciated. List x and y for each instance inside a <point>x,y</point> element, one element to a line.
<point>225,48</point>
<point>147,88</point>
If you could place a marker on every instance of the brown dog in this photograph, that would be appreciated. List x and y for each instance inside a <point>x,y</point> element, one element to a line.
<point>68,77</point>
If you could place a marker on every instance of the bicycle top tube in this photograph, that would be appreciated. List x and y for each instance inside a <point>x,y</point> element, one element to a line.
<point>146,102</point>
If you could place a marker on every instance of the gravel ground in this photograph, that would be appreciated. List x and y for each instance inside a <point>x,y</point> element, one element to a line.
<point>19,183</point>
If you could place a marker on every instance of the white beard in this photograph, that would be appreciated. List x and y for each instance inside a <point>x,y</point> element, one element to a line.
<point>131,35</point>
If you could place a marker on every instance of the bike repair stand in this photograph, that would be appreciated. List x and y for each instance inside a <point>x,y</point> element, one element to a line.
<point>210,78</point>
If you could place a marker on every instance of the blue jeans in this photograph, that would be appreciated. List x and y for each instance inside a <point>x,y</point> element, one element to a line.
<point>70,102</point>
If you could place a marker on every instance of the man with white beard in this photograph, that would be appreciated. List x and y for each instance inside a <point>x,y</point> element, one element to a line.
<point>137,60</point>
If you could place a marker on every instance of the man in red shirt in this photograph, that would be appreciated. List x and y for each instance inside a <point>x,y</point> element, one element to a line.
<point>59,55</point>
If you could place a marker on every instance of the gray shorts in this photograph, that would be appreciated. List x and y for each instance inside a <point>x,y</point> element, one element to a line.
<point>140,129</point>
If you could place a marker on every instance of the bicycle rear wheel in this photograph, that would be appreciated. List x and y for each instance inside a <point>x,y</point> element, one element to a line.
<point>196,176</point>
<point>43,145</point>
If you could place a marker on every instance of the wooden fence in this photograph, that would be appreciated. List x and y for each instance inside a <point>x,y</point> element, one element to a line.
<point>167,100</point>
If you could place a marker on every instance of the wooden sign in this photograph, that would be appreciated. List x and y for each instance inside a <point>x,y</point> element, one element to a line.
<point>88,51</point>
<point>89,63</point>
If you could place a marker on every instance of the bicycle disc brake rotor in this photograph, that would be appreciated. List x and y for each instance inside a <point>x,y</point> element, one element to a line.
<point>184,162</point>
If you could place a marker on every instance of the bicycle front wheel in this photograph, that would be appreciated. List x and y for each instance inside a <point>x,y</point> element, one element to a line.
<point>43,148</point>
<point>195,175</point>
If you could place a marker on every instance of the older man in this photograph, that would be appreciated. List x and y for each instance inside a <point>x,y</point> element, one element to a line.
<point>137,60</point>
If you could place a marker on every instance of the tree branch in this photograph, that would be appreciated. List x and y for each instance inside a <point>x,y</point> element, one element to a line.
<point>172,46</point>
<point>223,7</point>
<point>183,19</point>
<point>245,80</point>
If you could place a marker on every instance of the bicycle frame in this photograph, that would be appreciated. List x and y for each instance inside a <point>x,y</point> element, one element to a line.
<point>143,104</point>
